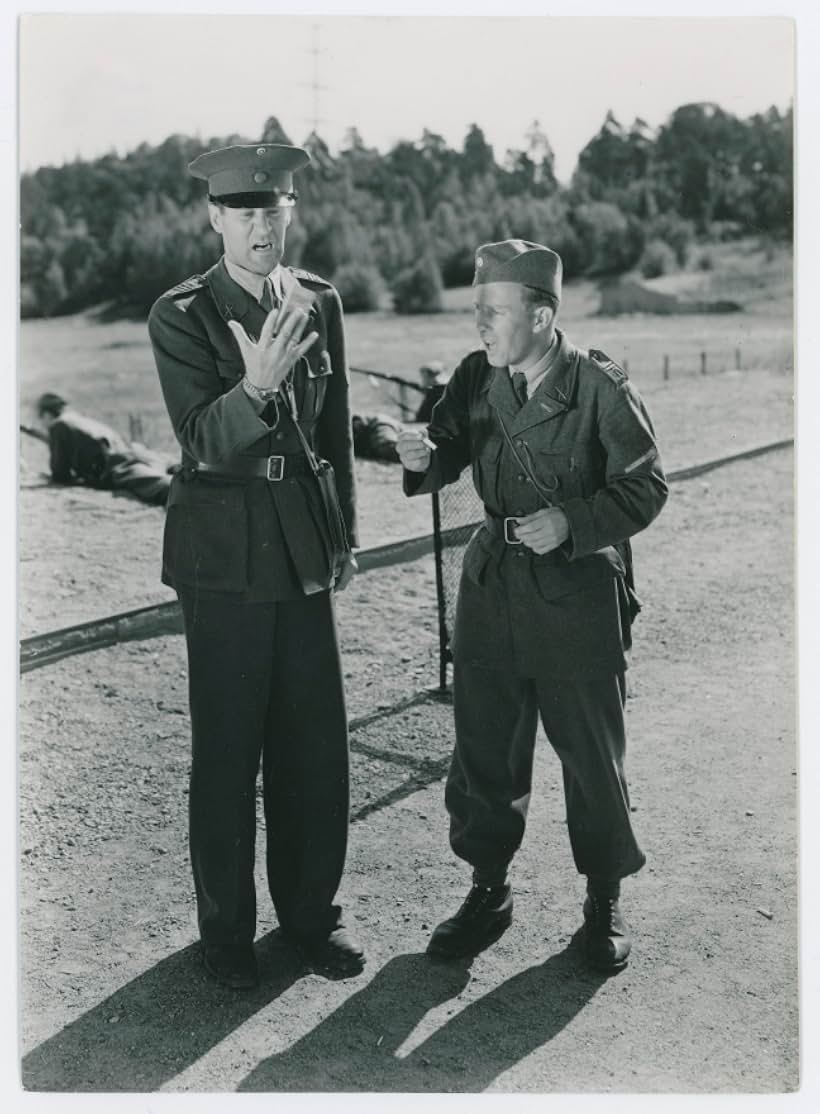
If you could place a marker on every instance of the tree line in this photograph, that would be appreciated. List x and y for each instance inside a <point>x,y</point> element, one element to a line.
<point>120,230</point>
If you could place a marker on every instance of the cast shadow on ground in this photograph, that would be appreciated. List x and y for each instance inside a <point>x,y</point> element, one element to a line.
<point>358,1048</point>
<point>155,1026</point>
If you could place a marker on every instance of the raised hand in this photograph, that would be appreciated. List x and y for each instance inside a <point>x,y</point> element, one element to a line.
<point>269,360</point>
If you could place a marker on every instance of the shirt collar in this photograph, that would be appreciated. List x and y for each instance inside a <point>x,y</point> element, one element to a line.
<point>535,373</point>
<point>255,284</point>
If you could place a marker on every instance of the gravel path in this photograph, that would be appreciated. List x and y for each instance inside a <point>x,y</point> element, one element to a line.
<point>112,994</point>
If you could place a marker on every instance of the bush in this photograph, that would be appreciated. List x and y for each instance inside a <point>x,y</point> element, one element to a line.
<point>417,289</point>
<point>359,287</point>
<point>609,242</point>
<point>657,259</point>
<point>674,231</point>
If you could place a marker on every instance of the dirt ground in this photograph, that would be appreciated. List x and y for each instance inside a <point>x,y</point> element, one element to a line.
<point>112,994</point>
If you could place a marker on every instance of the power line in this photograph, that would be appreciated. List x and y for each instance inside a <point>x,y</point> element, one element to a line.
<point>316,87</point>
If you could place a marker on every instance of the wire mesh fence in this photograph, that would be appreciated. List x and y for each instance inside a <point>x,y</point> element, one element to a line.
<point>457,511</point>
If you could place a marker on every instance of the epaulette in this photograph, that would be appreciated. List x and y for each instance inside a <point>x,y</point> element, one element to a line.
<point>308,276</point>
<point>612,370</point>
<point>189,286</point>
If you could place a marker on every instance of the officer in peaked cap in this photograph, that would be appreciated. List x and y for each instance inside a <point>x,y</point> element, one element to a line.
<point>266,168</point>
<point>564,458</point>
<point>249,355</point>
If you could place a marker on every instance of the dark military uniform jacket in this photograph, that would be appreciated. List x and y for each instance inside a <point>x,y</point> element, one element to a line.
<point>255,539</point>
<point>588,440</point>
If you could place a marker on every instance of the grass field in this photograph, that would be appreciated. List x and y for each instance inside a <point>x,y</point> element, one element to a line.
<point>108,370</point>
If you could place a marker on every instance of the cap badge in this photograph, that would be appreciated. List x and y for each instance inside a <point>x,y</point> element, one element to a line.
<point>260,176</point>
<point>479,261</point>
<point>260,150</point>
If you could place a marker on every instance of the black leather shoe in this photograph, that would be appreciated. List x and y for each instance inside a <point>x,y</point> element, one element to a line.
<point>338,954</point>
<point>607,938</point>
<point>235,968</point>
<point>485,915</point>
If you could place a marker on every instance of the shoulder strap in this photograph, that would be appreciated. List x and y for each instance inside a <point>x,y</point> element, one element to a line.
<point>284,394</point>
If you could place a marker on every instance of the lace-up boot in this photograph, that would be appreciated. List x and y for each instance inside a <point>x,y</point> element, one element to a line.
<point>484,916</point>
<point>607,937</point>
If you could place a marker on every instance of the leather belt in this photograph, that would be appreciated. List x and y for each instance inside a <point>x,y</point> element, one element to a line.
<point>501,528</point>
<point>271,468</point>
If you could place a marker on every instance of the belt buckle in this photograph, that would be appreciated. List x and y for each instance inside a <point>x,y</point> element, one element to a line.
<point>275,468</point>
<point>509,537</point>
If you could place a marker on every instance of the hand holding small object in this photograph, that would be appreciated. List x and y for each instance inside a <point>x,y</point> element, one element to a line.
<point>415,450</point>
<point>544,530</point>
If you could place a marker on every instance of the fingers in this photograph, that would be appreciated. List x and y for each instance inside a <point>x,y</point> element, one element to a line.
<point>268,328</point>
<point>413,453</point>
<point>291,324</point>
<point>242,338</point>
<point>304,345</point>
<point>414,438</point>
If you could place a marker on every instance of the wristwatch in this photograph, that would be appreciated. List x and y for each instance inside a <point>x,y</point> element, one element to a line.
<point>260,394</point>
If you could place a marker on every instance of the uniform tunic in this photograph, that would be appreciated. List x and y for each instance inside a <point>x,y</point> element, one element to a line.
<point>249,560</point>
<point>545,633</point>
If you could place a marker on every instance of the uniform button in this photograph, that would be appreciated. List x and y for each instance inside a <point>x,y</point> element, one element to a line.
<point>521,553</point>
<point>521,479</point>
<point>280,436</point>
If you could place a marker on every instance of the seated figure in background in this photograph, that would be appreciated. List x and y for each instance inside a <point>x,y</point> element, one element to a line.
<point>85,451</point>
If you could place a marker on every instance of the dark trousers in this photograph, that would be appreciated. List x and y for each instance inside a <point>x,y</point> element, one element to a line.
<point>265,679</point>
<point>488,788</point>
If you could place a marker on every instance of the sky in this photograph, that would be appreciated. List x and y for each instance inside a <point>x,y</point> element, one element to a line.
<point>91,84</point>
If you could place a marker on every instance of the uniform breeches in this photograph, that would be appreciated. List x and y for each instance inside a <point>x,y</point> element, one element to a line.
<point>488,788</point>
<point>265,679</point>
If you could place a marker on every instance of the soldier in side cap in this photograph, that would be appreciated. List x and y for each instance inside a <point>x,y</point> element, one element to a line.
<point>248,355</point>
<point>564,458</point>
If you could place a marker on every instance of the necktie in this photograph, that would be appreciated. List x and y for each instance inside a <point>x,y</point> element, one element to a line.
<point>268,299</point>
<point>519,382</point>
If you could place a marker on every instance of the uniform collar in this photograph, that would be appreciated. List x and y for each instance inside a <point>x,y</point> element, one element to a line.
<point>536,372</point>
<point>552,396</point>
<point>235,302</point>
<point>254,284</point>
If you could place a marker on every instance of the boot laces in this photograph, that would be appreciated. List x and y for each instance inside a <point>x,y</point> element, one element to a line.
<point>477,900</point>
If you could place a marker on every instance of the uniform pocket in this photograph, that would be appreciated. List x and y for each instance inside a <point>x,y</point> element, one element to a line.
<point>319,366</point>
<point>206,537</point>
<point>556,474</point>
<point>486,457</point>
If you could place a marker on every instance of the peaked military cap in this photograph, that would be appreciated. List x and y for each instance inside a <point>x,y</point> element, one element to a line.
<point>519,261</point>
<point>248,168</point>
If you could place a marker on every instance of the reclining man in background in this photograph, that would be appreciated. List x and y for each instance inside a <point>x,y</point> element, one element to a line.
<point>83,450</point>
<point>375,437</point>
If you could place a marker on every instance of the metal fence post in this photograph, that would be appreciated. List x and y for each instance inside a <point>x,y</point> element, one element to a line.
<point>443,638</point>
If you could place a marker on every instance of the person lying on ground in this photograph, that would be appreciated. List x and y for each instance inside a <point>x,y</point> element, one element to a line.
<point>83,450</point>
